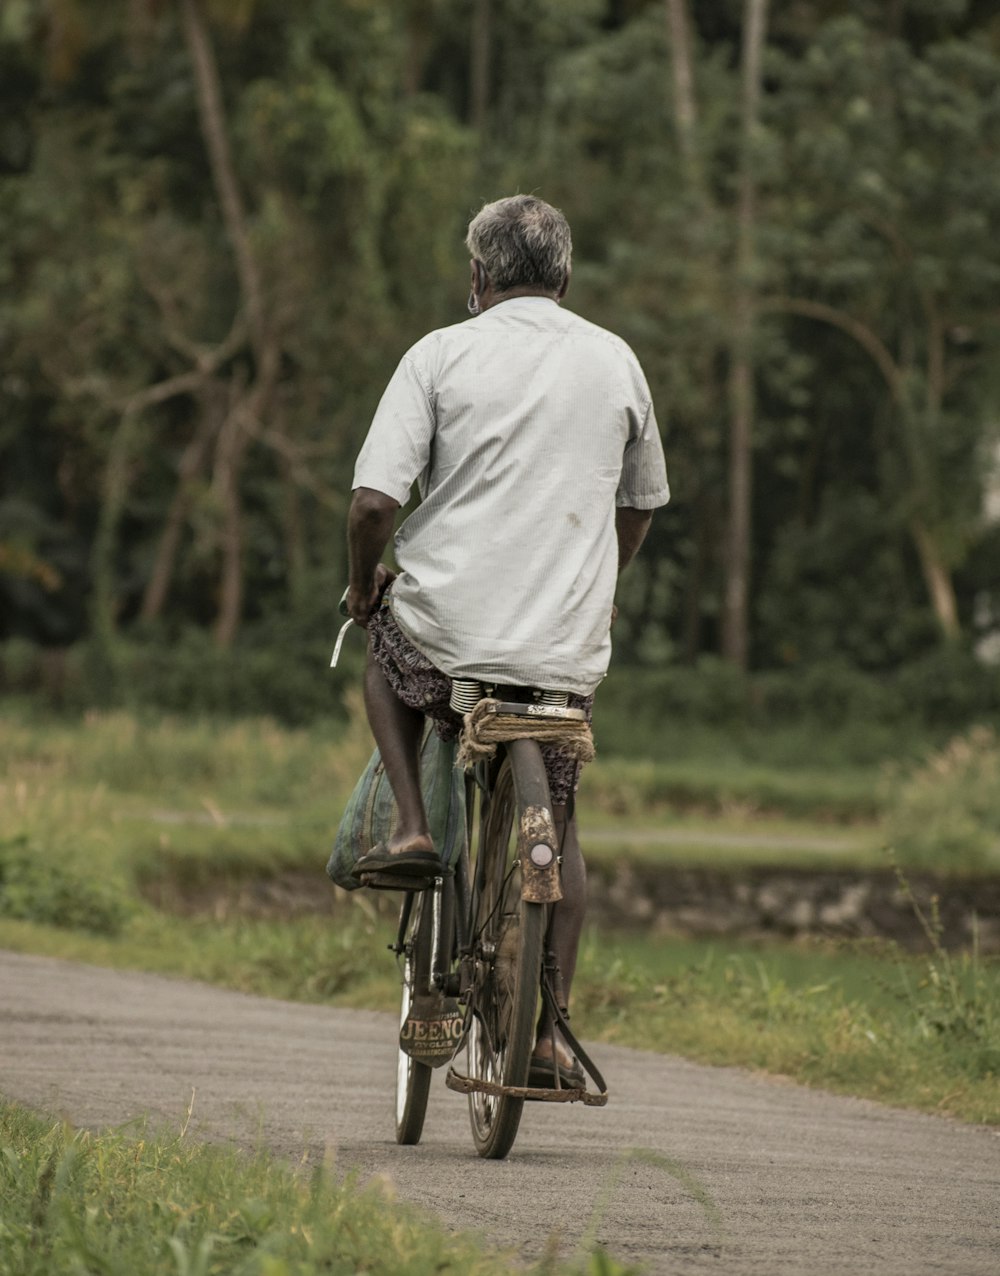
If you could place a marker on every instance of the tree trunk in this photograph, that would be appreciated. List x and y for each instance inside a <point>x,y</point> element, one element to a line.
<point>937,573</point>
<point>704,214</point>
<point>704,536</point>
<point>681,63</point>
<point>192,463</point>
<point>418,43</point>
<point>114,494</point>
<point>938,580</point>
<point>231,578</point>
<point>266,349</point>
<point>296,548</point>
<point>480,46</point>
<point>211,115</point>
<point>735,625</point>
<point>233,439</point>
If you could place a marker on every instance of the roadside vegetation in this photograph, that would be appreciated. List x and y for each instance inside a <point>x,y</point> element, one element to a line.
<point>131,841</point>
<point>133,1201</point>
<point>223,226</point>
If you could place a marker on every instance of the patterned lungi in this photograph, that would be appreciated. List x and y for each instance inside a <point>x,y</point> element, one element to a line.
<point>423,686</point>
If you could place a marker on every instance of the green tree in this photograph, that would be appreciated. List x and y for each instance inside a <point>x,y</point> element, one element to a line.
<point>890,236</point>
<point>218,358</point>
<point>220,226</point>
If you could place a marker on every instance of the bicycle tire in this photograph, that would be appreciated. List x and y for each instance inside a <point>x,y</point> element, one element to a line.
<point>413,1078</point>
<point>509,942</point>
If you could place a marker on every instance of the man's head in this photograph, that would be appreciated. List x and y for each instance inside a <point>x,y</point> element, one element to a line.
<point>523,245</point>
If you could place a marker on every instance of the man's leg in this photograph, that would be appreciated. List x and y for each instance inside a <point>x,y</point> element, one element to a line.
<point>398,730</point>
<point>567,924</point>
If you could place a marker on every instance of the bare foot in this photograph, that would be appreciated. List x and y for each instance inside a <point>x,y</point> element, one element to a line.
<point>410,842</point>
<point>543,1050</point>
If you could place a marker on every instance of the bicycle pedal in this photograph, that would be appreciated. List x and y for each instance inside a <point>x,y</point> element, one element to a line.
<point>395,882</point>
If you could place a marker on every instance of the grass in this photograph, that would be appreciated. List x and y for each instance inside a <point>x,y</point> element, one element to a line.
<point>717,784</point>
<point>730,841</point>
<point>97,813</point>
<point>948,809</point>
<point>115,796</point>
<point>917,1031</point>
<point>130,1201</point>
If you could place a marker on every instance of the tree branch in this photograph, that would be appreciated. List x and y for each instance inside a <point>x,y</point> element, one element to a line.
<point>865,337</point>
<point>183,383</point>
<point>213,124</point>
<point>685,109</point>
<point>205,358</point>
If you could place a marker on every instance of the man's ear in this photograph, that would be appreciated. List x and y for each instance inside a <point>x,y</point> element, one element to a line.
<point>565,286</point>
<point>477,287</point>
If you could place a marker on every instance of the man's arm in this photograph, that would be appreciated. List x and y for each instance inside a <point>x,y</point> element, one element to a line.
<point>369,526</point>
<point>631,526</point>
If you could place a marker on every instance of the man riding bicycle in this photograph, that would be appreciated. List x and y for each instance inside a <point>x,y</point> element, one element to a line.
<point>532,436</point>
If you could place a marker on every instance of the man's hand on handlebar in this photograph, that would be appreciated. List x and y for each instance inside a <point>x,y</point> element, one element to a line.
<point>361,602</point>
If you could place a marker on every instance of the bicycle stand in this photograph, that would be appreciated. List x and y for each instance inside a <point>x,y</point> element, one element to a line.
<point>575,1094</point>
<point>552,995</point>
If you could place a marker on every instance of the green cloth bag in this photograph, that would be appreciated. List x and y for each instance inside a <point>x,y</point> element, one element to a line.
<point>371,817</point>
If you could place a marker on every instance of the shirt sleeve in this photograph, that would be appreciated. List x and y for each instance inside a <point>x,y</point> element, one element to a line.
<point>643,484</point>
<point>398,447</point>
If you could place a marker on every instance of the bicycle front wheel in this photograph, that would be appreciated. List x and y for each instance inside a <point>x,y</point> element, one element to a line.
<point>509,938</point>
<point>413,1078</point>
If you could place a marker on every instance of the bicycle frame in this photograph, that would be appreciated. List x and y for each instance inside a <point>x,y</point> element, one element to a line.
<point>539,885</point>
<point>469,934</point>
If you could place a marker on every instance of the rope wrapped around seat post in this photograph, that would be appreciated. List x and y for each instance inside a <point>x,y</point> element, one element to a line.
<point>484,729</point>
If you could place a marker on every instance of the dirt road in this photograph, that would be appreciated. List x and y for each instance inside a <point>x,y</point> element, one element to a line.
<point>689,1169</point>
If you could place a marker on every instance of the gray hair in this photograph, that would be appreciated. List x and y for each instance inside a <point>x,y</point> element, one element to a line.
<point>522,241</point>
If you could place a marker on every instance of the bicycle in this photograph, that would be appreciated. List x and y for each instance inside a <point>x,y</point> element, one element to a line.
<point>472,943</point>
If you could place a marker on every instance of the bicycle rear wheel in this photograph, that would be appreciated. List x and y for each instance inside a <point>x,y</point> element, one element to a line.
<point>413,1078</point>
<point>509,936</point>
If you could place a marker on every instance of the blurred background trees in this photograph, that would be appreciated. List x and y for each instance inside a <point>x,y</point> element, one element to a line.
<point>222,224</point>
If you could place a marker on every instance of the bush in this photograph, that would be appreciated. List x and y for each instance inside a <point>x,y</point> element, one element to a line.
<point>289,680</point>
<point>946,814</point>
<point>832,695</point>
<point>712,692</point>
<point>37,888</point>
<point>642,711</point>
<point>950,688</point>
<point>56,674</point>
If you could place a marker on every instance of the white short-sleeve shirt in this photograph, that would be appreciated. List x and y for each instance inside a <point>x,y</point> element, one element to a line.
<point>525,428</point>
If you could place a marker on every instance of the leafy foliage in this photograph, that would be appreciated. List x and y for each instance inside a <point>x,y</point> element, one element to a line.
<point>200,840</point>
<point>37,887</point>
<point>949,809</point>
<point>138,486</point>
